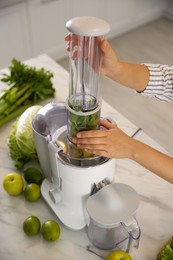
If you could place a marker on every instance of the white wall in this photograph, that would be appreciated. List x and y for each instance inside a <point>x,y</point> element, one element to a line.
<point>39,26</point>
<point>125,15</point>
<point>169,9</point>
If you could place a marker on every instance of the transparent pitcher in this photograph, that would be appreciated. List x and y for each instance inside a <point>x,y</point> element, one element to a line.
<point>110,218</point>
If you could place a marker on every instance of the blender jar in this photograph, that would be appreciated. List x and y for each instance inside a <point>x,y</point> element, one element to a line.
<point>83,103</point>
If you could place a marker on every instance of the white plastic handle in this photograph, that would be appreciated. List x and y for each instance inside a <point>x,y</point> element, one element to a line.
<point>54,148</point>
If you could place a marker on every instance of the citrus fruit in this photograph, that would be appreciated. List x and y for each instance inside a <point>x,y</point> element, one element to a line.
<point>50,230</point>
<point>31,226</point>
<point>118,255</point>
<point>33,175</point>
<point>13,184</point>
<point>32,192</point>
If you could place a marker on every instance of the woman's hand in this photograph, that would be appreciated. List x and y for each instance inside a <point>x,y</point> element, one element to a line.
<point>111,142</point>
<point>110,61</point>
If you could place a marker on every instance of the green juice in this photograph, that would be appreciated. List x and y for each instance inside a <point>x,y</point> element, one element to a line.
<point>78,123</point>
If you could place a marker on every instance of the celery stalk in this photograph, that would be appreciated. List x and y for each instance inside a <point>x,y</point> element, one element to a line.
<point>19,111</point>
<point>27,86</point>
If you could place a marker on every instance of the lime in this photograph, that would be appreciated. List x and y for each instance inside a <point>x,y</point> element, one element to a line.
<point>50,230</point>
<point>32,192</point>
<point>31,226</point>
<point>33,175</point>
<point>118,255</point>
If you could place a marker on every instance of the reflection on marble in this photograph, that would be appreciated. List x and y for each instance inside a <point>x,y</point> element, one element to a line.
<point>155,214</point>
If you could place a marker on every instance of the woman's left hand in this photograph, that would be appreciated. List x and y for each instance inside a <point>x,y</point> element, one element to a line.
<point>111,142</point>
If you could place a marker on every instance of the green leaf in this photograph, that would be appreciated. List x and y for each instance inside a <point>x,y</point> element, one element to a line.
<point>167,251</point>
<point>27,86</point>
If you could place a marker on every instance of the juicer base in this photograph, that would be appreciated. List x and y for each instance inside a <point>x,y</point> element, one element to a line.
<point>67,214</point>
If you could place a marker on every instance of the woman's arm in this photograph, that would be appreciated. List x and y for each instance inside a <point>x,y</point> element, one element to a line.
<point>135,76</point>
<point>153,80</point>
<point>153,160</point>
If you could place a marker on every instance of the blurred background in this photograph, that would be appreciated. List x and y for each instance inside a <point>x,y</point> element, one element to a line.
<point>141,31</point>
<point>32,27</point>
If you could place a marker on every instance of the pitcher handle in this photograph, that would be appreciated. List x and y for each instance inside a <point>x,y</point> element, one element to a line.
<point>133,229</point>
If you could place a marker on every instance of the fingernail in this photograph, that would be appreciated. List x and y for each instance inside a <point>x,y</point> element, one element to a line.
<point>74,140</point>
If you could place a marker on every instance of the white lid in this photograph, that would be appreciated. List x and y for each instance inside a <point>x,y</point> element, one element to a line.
<point>88,26</point>
<point>112,204</point>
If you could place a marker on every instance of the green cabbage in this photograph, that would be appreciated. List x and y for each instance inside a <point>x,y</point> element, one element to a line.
<point>167,251</point>
<point>20,140</point>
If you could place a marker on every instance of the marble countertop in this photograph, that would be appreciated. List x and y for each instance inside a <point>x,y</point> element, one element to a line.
<point>155,213</point>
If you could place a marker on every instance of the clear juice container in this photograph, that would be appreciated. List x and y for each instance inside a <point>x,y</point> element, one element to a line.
<point>85,60</point>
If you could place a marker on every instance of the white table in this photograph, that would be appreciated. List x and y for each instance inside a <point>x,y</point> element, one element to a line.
<point>155,214</point>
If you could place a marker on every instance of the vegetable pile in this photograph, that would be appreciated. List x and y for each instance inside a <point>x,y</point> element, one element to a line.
<point>27,86</point>
<point>78,123</point>
<point>21,140</point>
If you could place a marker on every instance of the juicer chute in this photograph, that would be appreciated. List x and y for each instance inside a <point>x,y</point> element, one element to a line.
<point>85,61</point>
<point>54,116</point>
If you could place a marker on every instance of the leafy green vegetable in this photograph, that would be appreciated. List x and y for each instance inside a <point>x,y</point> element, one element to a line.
<point>167,251</point>
<point>20,140</point>
<point>78,123</point>
<point>27,86</point>
<point>76,152</point>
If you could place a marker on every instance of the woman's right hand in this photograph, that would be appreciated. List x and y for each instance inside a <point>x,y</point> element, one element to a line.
<point>109,58</point>
<point>110,62</point>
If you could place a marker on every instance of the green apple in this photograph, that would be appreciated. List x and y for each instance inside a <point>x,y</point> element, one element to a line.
<point>118,255</point>
<point>13,183</point>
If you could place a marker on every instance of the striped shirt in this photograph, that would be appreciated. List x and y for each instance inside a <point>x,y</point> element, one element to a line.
<point>160,84</point>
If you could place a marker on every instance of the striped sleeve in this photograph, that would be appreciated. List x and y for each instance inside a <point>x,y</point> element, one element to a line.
<point>160,84</point>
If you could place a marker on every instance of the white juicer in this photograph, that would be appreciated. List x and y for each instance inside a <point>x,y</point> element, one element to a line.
<point>78,186</point>
<point>70,173</point>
